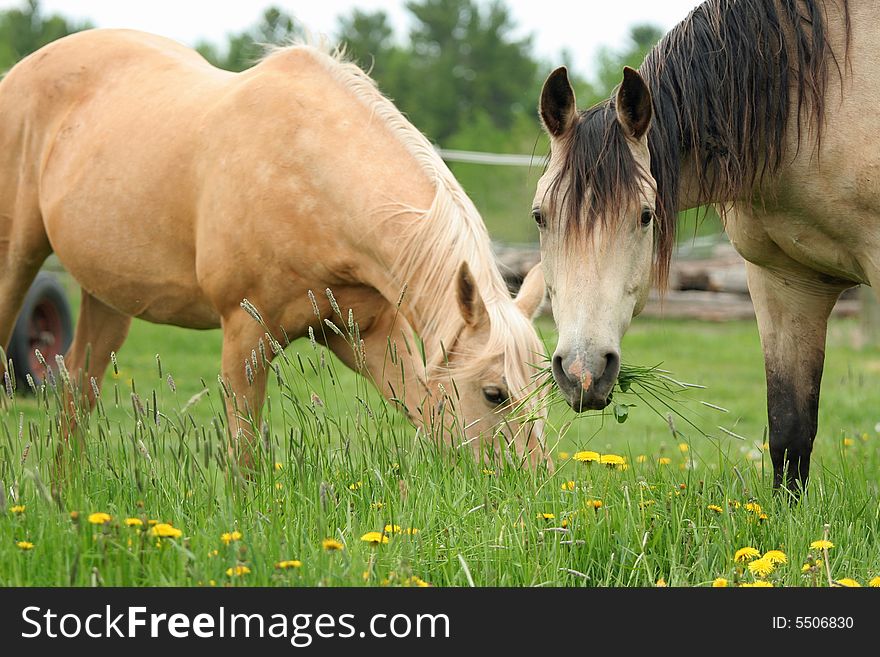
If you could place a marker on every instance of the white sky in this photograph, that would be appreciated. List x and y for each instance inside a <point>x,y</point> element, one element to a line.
<point>580,26</point>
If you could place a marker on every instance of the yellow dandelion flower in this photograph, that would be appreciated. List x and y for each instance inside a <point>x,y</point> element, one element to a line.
<point>100,518</point>
<point>683,447</point>
<point>377,505</point>
<point>24,545</point>
<point>754,507</point>
<point>848,582</point>
<point>279,466</point>
<point>776,556</point>
<point>874,583</point>
<point>278,485</point>
<point>760,584</point>
<point>612,459</point>
<point>237,571</point>
<point>807,567</point>
<point>356,485</point>
<point>415,581</point>
<point>152,523</point>
<point>290,563</point>
<point>546,516</point>
<point>392,529</point>
<point>746,554</point>
<point>661,583</point>
<point>165,530</point>
<point>848,442</point>
<point>664,460</point>
<point>719,583</point>
<point>568,485</point>
<point>761,567</point>
<point>563,456</point>
<point>133,522</point>
<point>412,531</point>
<point>213,553</point>
<point>596,504</point>
<point>715,508</point>
<point>488,472</point>
<point>586,457</point>
<point>762,517</point>
<point>822,544</point>
<point>18,508</point>
<point>332,545</point>
<point>229,537</point>
<point>374,538</point>
<point>74,515</point>
<point>564,523</point>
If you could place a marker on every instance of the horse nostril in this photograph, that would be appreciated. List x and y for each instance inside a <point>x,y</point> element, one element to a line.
<point>612,365</point>
<point>558,370</point>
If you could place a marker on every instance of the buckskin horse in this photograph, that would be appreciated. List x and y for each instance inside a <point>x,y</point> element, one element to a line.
<point>766,108</point>
<point>172,191</point>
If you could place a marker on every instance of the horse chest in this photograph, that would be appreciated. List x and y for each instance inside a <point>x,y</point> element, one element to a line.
<point>789,241</point>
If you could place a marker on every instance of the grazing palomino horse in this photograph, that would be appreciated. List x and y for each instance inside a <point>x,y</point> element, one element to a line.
<point>172,190</point>
<point>766,108</point>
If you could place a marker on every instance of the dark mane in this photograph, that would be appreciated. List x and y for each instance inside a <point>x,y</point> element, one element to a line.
<point>724,83</point>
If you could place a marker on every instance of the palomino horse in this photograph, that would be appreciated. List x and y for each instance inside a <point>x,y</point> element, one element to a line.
<point>764,107</point>
<point>172,190</point>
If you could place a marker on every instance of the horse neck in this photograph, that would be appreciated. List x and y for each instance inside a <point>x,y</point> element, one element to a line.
<point>417,256</point>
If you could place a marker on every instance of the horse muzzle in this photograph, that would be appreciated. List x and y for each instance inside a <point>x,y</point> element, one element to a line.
<point>586,380</point>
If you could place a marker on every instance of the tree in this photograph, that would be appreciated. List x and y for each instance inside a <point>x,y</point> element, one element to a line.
<point>22,31</point>
<point>464,59</point>
<point>368,39</point>
<point>611,62</point>
<point>276,28</point>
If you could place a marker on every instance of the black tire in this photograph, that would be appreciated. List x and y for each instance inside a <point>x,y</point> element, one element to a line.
<point>44,323</point>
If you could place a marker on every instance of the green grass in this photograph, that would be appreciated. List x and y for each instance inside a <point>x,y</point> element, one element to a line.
<point>350,465</point>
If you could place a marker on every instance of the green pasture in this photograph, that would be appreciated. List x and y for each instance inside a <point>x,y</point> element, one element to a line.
<point>339,463</point>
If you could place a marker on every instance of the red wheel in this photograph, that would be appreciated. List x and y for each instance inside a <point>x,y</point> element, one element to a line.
<point>44,324</point>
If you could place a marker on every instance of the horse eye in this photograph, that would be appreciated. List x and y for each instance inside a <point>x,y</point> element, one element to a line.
<point>494,395</point>
<point>646,218</point>
<point>539,218</point>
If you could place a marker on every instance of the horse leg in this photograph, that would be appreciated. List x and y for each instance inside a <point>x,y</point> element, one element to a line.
<point>100,330</point>
<point>246,385</point>
<point>792,312</point>
<point>23,249</point>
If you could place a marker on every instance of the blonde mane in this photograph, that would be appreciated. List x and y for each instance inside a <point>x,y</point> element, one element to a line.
<point>434,245</point>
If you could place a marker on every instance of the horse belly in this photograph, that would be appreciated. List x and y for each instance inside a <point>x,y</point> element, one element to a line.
<point>156,290</point>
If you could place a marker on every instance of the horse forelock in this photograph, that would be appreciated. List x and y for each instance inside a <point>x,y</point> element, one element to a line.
<point>598,179</point>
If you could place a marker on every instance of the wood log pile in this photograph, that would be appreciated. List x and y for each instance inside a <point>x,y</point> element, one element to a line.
<point>711,286</point>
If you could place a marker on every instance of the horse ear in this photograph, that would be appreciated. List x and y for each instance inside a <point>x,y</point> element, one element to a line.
<point>558,108</point>
<point>531,293</point>
<point>634,109</point>
<point>473,310</point>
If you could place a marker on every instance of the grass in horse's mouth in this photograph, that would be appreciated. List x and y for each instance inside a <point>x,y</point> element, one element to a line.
<point>649,385</point>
